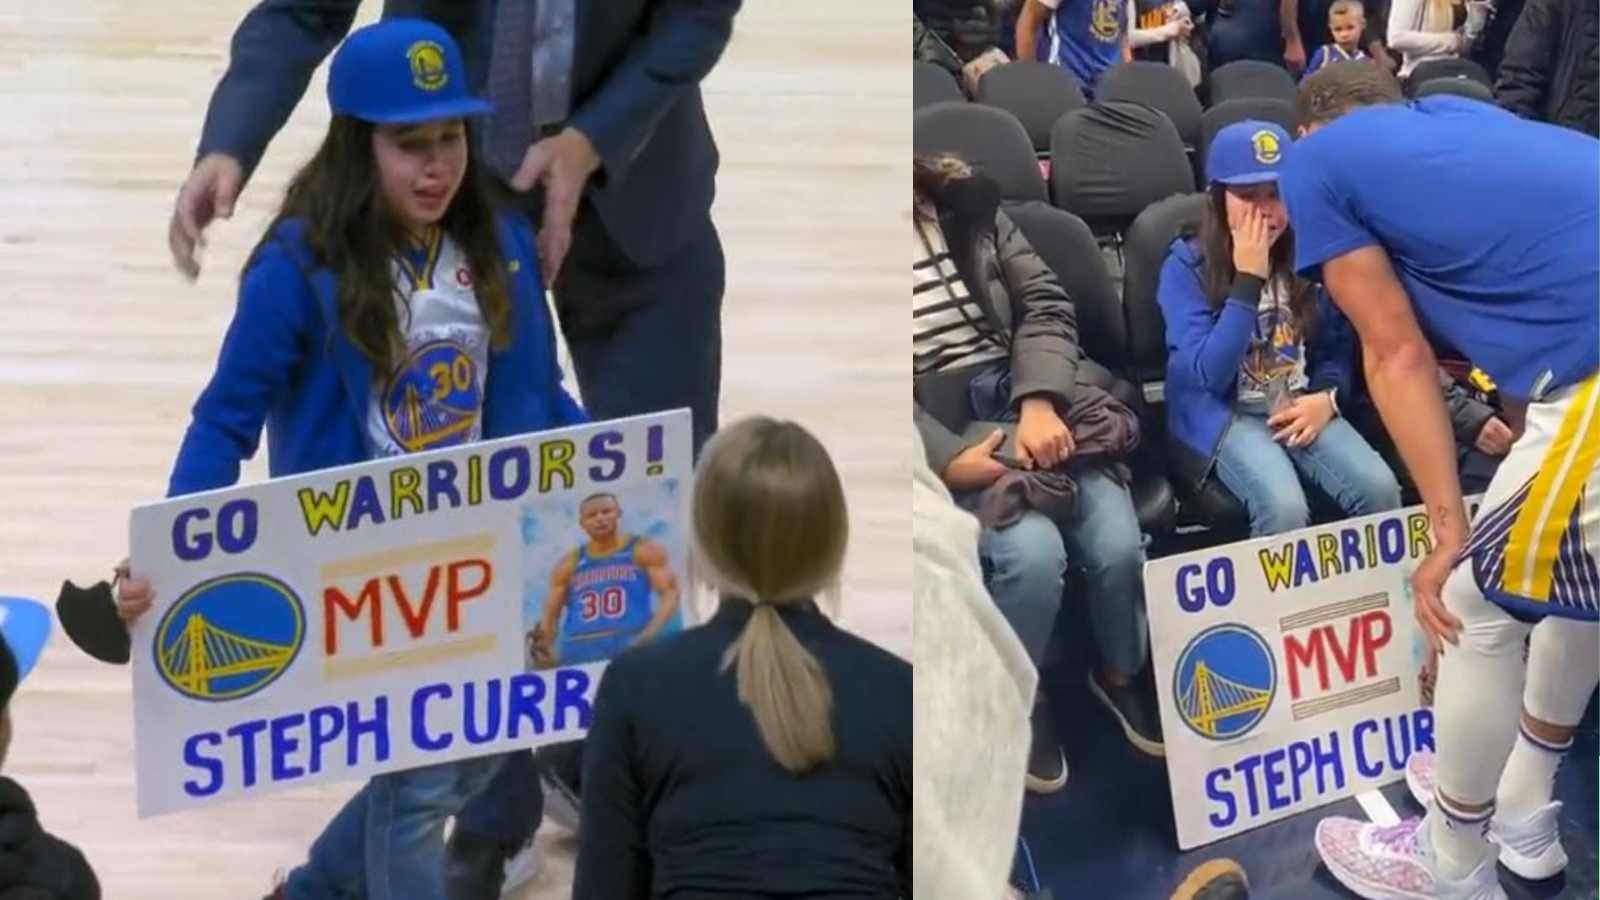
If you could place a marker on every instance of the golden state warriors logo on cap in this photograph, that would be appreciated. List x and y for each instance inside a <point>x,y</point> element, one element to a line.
<point>1268,150</point>
<point>427,65</point>
<point>229,637</point>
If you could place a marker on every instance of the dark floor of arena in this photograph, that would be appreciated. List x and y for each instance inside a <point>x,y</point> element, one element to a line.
<point>1109,834</point>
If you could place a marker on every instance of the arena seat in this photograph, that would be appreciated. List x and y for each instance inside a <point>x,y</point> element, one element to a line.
<point>1460,86</point>
<point>1065,243</point>
<point>1036,93</point>
<point>1250,78</point>
<point>1109,161</point>
<point>1451,67</point>
<point>932,84</point>
<point>1156,85</point>
<point>991,140</point>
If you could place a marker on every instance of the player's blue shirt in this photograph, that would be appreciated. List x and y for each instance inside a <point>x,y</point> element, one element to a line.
<point>1085,36</point>
<point>1493,224</point>
<point>608,593</point>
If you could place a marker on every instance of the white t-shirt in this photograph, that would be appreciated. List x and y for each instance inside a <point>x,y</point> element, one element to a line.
<point>434,397</point>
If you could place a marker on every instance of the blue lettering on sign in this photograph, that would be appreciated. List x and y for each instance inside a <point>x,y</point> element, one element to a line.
<point>1217,587</point>
<point>238,522</point>
<point>1305,771</point>
<point>299,744</point>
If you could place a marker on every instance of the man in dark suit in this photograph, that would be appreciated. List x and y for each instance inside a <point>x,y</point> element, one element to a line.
<point>600,133</point>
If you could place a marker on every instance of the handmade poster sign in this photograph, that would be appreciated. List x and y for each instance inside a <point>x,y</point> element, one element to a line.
<point>402,612</point>
<point>1287,670</point>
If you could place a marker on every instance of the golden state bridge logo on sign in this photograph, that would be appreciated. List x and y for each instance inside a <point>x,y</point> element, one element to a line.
<point>1225,681</point>
<point>229,637</point>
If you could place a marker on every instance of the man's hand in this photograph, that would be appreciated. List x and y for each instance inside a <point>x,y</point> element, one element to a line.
<point>1495,438</point>
<point>1302,421</point>
<point>975,467</point>
<point>1294,55</point>
<point>1427,600</point>
<point>210,193</point>
<point>1042,438</point>
<point>561,164</point>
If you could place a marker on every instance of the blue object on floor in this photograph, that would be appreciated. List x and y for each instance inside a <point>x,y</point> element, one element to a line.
<point>1109,834</point>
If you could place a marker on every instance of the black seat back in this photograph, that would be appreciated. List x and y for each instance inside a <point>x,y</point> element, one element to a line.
<point>1036,93</point>
<point>1158,86</point>
<point>1251,78</point>
<point>1067,246</point>
<point>990,140</point>
<point>932,84</point>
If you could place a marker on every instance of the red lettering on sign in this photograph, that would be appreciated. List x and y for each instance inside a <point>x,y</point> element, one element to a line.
<point>1355,657</point>
<point>463,580</point>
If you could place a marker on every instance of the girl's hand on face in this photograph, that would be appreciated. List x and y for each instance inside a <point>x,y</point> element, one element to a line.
<point>1252,243</point>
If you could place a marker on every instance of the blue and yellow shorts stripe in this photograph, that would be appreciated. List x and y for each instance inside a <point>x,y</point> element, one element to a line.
<point>1533,552</point>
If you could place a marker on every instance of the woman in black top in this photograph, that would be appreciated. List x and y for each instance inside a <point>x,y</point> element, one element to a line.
<point>767,753</point>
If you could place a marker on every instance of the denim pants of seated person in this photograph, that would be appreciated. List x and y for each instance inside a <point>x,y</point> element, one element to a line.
<point>1265,475</point>
<point>1024,564</point>
<point>387,843</point>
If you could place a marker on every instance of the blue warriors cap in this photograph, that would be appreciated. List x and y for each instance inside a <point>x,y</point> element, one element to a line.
<point>24,629</point>
<point>401,72</point>
<point>1248,152</point>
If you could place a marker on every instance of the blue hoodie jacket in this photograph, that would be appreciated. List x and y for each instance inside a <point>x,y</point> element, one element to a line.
<point>1206,347</point>
<point>286,363</point>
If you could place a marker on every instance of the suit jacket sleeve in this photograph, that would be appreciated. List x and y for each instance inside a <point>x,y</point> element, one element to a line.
<point>273,53</point>
<point>613,859</point>
<point>1529,62</point>
<point>1044,341</point>
<point>680,44</point>
<point>263,348</point>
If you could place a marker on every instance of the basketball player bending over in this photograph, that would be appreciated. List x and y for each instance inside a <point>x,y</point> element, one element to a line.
<point>605,585</point>
<point>1454,218</point>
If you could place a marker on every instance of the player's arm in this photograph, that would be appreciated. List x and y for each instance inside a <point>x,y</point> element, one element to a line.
<point>559,593</point>
<point>652,558</point>
<point>1402,375</point>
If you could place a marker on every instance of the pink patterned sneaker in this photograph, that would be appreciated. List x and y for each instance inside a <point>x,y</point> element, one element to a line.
<point>1422,774</point>
<point>1394,862</point>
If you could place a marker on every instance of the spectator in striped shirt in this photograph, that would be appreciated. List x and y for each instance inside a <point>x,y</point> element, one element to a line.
<point>984,304</point>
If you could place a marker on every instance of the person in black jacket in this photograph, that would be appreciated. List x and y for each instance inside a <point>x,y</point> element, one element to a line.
<point>1548,71</point>
<point>34,864</point>
<point>995,339</point>
<point>768,752</point>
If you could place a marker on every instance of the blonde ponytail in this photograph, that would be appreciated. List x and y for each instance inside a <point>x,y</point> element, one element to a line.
<point>769,525</point>
<point>785,689</point>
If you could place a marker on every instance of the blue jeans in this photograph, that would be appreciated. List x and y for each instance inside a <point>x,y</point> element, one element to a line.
<point>1265,475</point>
<point>1025,562</point>
<point>387,843</point>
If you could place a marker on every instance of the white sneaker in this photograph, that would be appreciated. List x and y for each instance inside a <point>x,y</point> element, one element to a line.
<point>1531,847</point>
<point>1395,862</point>
<point>521,868</point>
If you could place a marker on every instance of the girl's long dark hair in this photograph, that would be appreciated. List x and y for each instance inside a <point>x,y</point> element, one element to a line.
<point>1216,241</point>
<point>351,232</point>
